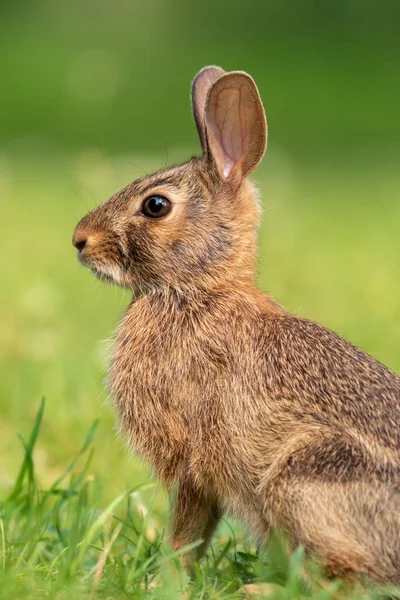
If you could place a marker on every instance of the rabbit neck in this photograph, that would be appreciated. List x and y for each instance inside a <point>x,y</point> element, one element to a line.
<point>172,349</point>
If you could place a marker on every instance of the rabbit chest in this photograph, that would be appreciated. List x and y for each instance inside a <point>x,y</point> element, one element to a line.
<point>168,384</point>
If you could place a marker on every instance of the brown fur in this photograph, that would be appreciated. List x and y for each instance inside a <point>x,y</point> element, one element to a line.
<point>249,410</point>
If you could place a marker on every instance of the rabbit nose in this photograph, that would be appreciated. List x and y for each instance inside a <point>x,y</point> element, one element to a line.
<point>79,241</point>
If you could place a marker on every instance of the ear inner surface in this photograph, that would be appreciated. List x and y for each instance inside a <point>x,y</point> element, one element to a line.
<point>235,124</point>
<point>200,87</point>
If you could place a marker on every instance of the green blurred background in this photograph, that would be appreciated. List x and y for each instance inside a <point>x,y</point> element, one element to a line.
<point>94,94</point>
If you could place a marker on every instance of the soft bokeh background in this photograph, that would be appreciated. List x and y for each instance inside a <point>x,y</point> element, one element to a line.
<point>95,93</point>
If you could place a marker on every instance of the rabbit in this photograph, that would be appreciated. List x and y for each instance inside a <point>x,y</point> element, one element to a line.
<point>239,407</point>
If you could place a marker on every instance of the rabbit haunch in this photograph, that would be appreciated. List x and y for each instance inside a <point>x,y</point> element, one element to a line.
<point>239,406</point>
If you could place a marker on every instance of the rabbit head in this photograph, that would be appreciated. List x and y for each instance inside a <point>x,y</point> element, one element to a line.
<point>190,225</point>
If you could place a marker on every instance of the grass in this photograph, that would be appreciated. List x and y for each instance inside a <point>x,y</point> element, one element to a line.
<point>329,250</point>
<point>60,542</point>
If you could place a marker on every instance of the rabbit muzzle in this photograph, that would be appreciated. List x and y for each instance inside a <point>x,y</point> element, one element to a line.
<point>98,253</point>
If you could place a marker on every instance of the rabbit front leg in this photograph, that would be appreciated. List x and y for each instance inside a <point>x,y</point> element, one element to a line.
<point>194,517</point>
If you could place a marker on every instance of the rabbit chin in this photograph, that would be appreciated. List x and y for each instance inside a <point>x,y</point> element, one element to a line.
<point>108,274</point>
<point>113,274</point>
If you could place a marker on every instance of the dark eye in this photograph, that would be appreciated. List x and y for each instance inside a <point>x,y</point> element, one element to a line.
<point>156,207</point>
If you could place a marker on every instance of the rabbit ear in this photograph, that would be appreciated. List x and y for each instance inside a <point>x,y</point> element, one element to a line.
<point>236,126</point>
<point>200,87</point>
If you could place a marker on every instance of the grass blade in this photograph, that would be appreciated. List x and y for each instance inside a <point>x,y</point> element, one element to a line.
<point>88,440</point>
<point>98,524</point>
<point>27,462</point>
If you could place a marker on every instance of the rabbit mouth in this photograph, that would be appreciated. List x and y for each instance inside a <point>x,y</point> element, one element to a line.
<point>103,272</point>
<point>116,275</point>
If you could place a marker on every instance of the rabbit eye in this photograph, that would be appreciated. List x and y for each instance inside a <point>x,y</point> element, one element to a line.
<point>156,207</point>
